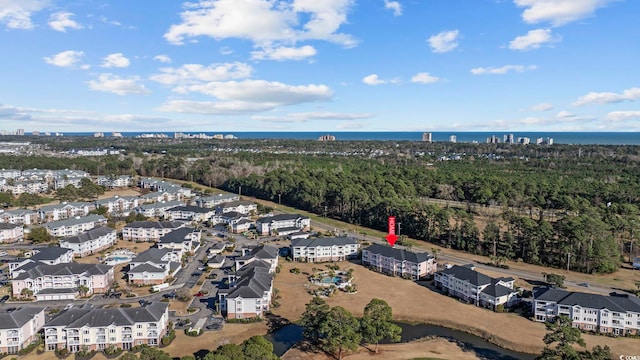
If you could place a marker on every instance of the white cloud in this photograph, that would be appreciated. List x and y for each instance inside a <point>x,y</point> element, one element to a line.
<point>424,78</point>
<point>501,70</point>
<point>565,115</point>
<point>623,115</point>
<point>195,73</point>
<point>61,21</point>
<point>394,6</point>
<point>16,14</point>
<point>162,58</point>
<point>350,125</point>
<point>373,80</point>
<point>308,116</point>
<point>541,107</point>
<point>534,39</point>
<point>271,21</point>
<point>246,96</point>
<point>117,60</point>
<point>444,42</point>
<point>608,97</point>
<point>118,85</point>
<point>558,12</point>
<point>284,53</point>
<point>64,59</point>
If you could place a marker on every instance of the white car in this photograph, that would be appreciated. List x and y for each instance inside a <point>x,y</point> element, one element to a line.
<point>3,253</point>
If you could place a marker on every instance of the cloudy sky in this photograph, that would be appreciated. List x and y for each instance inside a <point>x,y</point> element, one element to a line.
<point>320,65</point>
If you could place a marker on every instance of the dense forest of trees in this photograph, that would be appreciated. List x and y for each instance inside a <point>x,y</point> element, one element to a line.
<point>558,206</point>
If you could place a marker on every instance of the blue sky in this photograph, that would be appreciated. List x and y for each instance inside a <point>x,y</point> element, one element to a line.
<point>320,65</point>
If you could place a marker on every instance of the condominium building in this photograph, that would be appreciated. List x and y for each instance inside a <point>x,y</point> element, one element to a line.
<point>282,224</point>
<point>241,206</point>
<point>61,281</point>
<point>121,205</point>
<point>617,314</point>
<point>18,216</point>
<point>63,211</point>
<point>91,328</point>
<point>397,262</point>
<point>215,200</point>
<point>324,249</point>
<point>19,327</point>
<point>249,293</point>
<point>149,230</point>
<point>10,233</point>
<point>189,213</point>
<point>158,210</point>
<point>476,288</point>
<point>154,266</point>
<point>74,226</point>
<point>90,242</point>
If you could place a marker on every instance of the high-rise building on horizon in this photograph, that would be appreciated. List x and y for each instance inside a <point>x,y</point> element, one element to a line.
<point>453,138</point>
<point>20,132</point>
<point>427,137</point>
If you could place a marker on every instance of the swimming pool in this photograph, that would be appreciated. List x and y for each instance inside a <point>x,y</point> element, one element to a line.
<point>331,280</point>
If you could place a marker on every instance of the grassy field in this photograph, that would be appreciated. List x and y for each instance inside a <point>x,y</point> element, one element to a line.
<point>415,303</point>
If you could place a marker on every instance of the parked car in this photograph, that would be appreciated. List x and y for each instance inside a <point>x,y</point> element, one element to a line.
<point>171,295</point>
<point>68,306</point>
<point>3,253</point>
<point>583,284</point>
<point>4,299</point>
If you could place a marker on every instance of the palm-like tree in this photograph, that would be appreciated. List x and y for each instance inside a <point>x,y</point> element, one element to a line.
<point>83,290</point>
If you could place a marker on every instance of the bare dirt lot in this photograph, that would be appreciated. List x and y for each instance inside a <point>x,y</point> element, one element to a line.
<point>415,303</point>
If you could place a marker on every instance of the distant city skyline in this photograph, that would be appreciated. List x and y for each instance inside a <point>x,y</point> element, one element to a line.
<point>331,66</point>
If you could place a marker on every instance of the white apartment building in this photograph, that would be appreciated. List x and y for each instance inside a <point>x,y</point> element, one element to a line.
<point>90,242</point>
<point>121,205</point>
<point>184,240</point>
<point>324,249</point>
<point>74,226</point>
<point>189,213</point>
<point>18,216</point>
<point>19,327</point>
<point>240,206</point>
<point>87,327</point>
<point>250,291</point>
<point>63,211</point>
<point>617,314</point>
<point>50,255</point>
<point>159,209</point>
<point>113,182</point>
<point>282,224</point>
<point>476,288</point>
<point>10,233</point>
<point>149,230</point>
<point>215,200</point>
<point>154,266</point>
<point>396,262</point>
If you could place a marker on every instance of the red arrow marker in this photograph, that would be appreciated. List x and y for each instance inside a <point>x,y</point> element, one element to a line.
<point>392,237</point>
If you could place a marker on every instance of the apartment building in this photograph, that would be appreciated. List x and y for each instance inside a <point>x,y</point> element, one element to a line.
<point>61,281</point>
<point>121,205</point>
<point>189,213</point>
<point>185,240</point>
<point>282,224</point>
<point>154,266</point>
<point>63,211</point>
<point>10,233</point>
<point>19,187</point>
<point>476,288</point>
<point>19,327</point>
<point>266,253</point>
<point>18,216</point>
<point>398,262</point>
<point>113,182</point>
<point>50,255</point>
<point>91,328</point>
<point>164,186</point>
<point>149,230</point>
<point>159,209</point>
<point>249,293</point>
<point>215,200</point>
<point>240,206</point>
<point>617,314</point>
<point>90,242</point>
<point>74,226</point>
<point>324,249</point>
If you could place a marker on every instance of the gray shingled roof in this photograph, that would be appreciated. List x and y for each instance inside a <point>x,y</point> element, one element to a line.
<point>6,226</point>
<point>92,234</point>
<point>95,317</point>
<point>41,269</point>
<point>75,221</point>
<point>324,241</point>
<point>252,284</point>
<point>464,273</point>
<point>151,254</point>
<point>616,302</point>
<point>497,290</point>
<point>281,217</point>
<point>155,225</point>
<point>49,253</point>
<point>236,203</point>
<point>177,236</point>
<point>161,205</point>
<point>193,209</point>
<point>18,317</point>
<point>146,267</point>
<point>398,254</point>
<point>261,252</point>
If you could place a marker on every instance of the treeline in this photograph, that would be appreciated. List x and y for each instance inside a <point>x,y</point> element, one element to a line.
<point>598,200</point>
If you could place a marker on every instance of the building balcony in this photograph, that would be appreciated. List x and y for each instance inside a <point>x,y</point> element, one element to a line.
<point>73,342</point>
<point>152,334</point>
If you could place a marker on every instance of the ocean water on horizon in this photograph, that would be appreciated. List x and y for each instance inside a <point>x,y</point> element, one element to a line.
<point>583,138</point>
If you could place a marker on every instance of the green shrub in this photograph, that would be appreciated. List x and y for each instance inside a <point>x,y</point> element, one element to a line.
<point>245,320</point>
<point>294,271</point>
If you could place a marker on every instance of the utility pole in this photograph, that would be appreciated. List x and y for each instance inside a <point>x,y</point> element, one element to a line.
<point>239,190</point>
<point>279,198</point>
<point>399,228</point>
<point>568,258</point>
